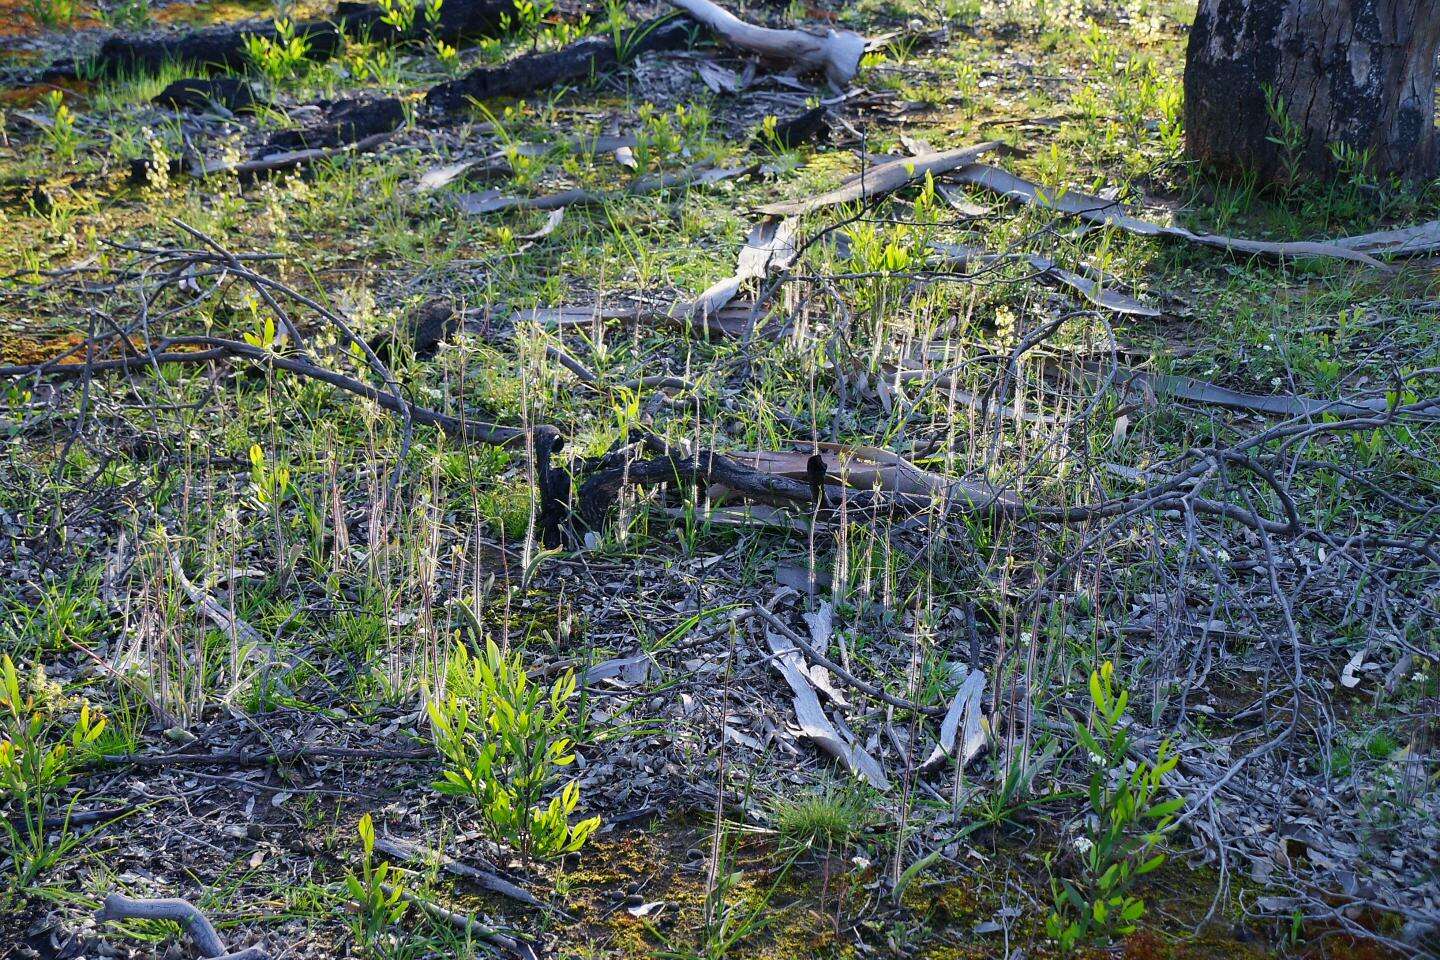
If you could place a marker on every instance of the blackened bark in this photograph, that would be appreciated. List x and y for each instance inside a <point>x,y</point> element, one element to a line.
<point>223,47</point>
<point>1355,72</point>
<point>346,121</point>
<point>578,62</point>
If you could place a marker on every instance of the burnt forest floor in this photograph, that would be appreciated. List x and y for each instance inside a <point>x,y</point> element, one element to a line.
<point>1065,462</point>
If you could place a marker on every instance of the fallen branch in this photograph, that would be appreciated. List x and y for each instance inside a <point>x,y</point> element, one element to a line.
<point>286,160</point>
<point>117,906</point>
<point>409,852</point>
<point>1096,292</point>
<point>1112,213</point>
<point>1202,391</point>
<point>836,52</point>
<point>496,165</point>
<point>885,178</point>
<point>728,322</point>
<point>346,121</point>
<point>261,758</point>
<point>515,946</point>
<point>770,478</point>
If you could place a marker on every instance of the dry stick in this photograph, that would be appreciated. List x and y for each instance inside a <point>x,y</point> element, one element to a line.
<point>264,284</point>
<point>588,376</point>
<point>599,490</point>
<point>117,906</point>
<point>404,851</point>
<point>258,758</point>
<point>697,175</point>
<point>513,945</point>
<point>218,348</point>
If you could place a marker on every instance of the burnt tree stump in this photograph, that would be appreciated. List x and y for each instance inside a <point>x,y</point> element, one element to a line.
<point>1355,72</point>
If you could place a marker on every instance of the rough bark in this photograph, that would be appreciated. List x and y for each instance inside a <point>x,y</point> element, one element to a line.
<point>1354,72</point>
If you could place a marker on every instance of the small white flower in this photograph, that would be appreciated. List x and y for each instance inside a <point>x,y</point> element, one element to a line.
<point>1096,759</point>
<point>1082,844</point>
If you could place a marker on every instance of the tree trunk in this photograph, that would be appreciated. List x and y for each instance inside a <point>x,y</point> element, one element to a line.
<point>1357,73</point>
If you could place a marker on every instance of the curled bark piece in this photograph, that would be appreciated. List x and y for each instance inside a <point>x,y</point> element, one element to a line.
<point>770,246</point>
<point>577,62</point>
<point>1104,212</point>
<point>117,906</point>
<point>965,707</point>
<point>814,723</point>
<point>884,178</point>
<point>837,52</point>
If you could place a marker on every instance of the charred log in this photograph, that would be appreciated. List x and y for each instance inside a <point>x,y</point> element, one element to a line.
<point>346,121</point>
<point>202,93</point>
<point>223,47</point>
<point>431,325</point>
<point>580,61</point>
<point>789,134</point>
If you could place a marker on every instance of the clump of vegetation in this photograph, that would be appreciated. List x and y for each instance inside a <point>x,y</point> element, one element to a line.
<point>504,743</point>
<point>41,747</point>
<point>64,138</point>
<point>1126,822</point>
<point>282,57</point>
<point>821,820</point>
<point>52,13</point>
<point>375,891</point>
